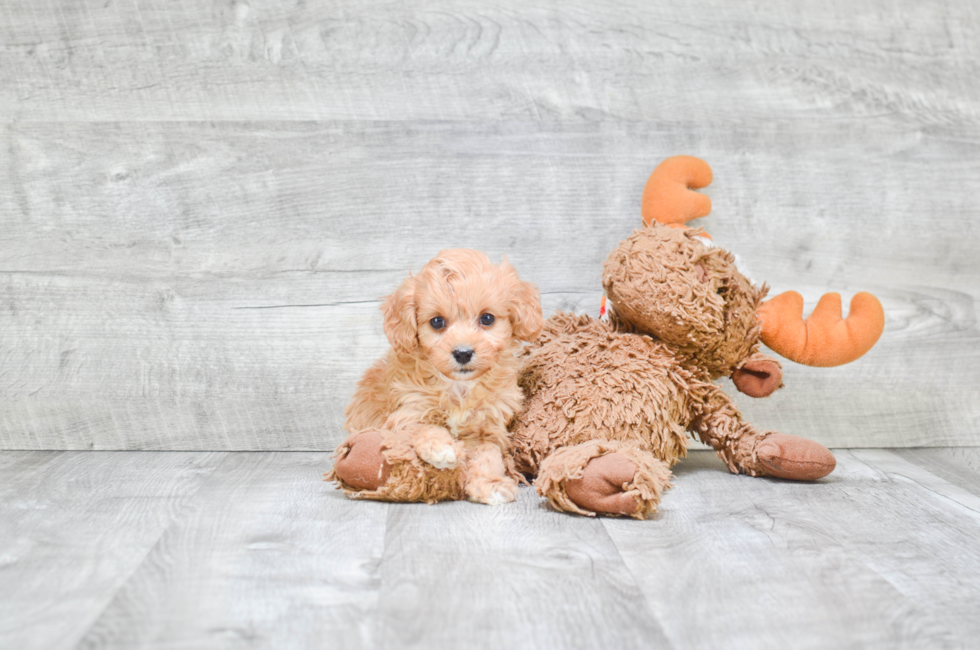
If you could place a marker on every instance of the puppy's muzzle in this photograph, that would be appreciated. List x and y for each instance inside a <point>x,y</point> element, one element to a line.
<point>462,355</point>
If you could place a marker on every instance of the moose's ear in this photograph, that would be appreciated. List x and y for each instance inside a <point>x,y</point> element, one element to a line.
<point>759,376</point>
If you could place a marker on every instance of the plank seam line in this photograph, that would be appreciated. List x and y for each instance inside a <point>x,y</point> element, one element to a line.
<point>83,634</point>
<point>300,305</point>
<point>636,585</point>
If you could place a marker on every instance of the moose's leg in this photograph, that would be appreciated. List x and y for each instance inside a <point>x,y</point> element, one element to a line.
<point>604,477</point>
<point>791,457</point>
<point>747,450</point>
<point>383,465</point>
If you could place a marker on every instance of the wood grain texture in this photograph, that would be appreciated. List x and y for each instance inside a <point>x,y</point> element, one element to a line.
<point>459,575</point>
<point>704,61</point>
<point>201,203</point>
<point>265,556</point>
<point>958,466</point>
<point>74,527</point>
<point>252,550</point>
<point>876,555</point>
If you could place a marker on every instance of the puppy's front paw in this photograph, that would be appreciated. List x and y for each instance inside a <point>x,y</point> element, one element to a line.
<point>437,454</point>
<point>492,491</point>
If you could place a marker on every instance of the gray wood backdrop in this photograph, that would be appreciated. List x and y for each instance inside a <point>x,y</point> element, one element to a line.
<point>201,202</point>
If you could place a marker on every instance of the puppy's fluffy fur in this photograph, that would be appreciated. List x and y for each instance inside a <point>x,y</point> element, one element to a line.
<point>450,378</point>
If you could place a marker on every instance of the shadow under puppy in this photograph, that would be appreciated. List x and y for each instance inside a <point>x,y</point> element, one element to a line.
<point>438,404</point>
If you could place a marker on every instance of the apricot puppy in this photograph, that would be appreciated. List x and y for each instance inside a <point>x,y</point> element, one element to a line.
<point>445,393</point>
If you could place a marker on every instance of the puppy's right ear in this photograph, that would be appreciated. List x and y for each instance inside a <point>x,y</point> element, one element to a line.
<point>400,325</point>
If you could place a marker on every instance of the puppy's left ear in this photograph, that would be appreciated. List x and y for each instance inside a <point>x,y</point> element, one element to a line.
<point>525,307</point>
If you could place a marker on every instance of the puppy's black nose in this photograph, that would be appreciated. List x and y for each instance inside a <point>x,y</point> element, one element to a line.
<point>463,355</point>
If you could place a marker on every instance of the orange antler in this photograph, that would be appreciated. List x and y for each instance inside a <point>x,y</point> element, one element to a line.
<point>824,339</point>
<point>668,197</point>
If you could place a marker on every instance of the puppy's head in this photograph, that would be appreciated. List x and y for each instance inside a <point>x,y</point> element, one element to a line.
<point>462,312</point>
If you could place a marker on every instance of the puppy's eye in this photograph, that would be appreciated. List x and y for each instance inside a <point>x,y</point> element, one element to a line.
<point>487,320</point>
<point>437,323</point>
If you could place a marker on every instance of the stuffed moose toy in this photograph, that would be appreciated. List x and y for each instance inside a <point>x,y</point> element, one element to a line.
<point>609,402</point>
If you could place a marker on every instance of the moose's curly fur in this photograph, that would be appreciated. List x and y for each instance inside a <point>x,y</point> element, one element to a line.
<point>681,315</point>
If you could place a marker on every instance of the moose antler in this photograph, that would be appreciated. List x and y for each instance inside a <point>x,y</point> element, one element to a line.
<point>825,338</point>
<point>668,197</point>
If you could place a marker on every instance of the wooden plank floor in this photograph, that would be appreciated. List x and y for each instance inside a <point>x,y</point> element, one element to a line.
<point>251,549</point>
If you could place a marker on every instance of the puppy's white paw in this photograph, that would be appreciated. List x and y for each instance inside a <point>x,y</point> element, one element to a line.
<point>439,456</point>
<point>493,492</point>
<point>500,497</point>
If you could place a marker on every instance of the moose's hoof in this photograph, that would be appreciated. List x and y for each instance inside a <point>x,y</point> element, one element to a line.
<point>795,458</point>
<point>363,467</point>
<point>602,486</point>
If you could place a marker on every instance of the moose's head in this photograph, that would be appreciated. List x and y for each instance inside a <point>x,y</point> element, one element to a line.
<point>670,282</point>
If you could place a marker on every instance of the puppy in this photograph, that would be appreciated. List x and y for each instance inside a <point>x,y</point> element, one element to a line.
<point>450,378</point>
